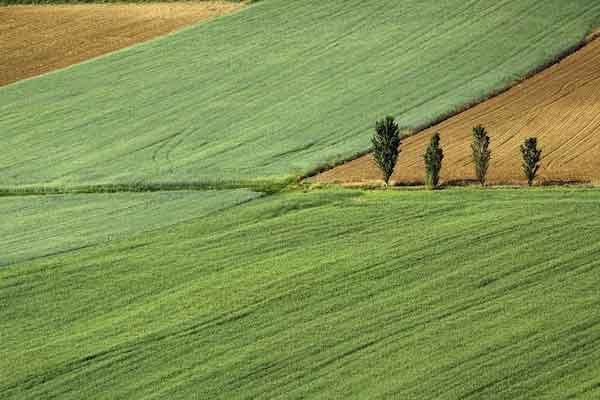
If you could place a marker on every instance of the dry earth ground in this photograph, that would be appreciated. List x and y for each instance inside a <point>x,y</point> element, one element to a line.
<point>41,38</point>
<point>560,106</point>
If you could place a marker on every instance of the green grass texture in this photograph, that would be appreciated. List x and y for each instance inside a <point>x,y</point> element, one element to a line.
<point>451,294</point>
<point>37,226</point>
<point>275,90</point>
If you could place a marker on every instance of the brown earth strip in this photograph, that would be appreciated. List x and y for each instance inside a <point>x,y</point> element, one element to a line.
<point>41,38</point>
<point>560,106</point>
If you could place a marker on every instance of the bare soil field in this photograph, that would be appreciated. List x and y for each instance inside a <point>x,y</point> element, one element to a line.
<point>40,38</point>
<point>560,106</point>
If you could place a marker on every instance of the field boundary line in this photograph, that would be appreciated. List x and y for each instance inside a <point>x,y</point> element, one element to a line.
<point>591,36</point>
<point>266,187</point>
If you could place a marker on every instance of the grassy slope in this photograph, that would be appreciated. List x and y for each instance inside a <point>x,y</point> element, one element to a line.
<point>36,226</point>
<point>274,90</point>
<point>452,294</point>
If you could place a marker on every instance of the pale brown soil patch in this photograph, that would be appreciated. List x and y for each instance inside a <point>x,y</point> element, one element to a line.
<point>41,38</point>
<point>560,106</point>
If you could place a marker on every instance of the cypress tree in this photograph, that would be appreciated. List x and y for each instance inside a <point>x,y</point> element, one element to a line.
<point>433,162</point>
<point>481,153</point>
<point>531,159</point>
<point>386,146</point>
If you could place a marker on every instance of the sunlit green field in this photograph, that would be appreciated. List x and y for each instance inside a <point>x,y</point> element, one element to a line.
<point>327,294</point>
<point>289,292</point>
<point>275,90</point>
<point>37,226</point>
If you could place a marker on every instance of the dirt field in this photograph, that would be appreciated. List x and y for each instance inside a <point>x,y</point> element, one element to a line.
<point>560,106</point>
<point>39,39</point>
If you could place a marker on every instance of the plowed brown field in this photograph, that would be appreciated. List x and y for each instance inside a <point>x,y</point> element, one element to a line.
<point>560,106</point>
<point>41,38</point>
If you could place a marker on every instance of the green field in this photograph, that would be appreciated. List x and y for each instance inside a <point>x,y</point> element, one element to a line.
<point>36,226</point>
<point>162,289</point>
<point>328,294</point>
<point>274,90</point>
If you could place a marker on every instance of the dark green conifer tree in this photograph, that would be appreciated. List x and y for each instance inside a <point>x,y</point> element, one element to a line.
<point>531,159</point>
<point>386,146</point>
<point>481,153</point>
<point>433,162</point>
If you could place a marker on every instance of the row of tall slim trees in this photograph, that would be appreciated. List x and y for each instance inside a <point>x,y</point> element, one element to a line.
<point>386,149</point>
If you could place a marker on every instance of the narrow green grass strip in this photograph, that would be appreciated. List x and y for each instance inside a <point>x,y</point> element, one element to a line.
<point>263,186</point>
<point>37,226</point>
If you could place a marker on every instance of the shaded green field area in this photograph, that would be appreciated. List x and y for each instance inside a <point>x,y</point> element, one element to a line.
<point>36,226</point>
<point>274,90</point>
<point>327,294</point>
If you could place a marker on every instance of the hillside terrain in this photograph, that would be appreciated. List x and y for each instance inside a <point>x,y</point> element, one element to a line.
<point>41,38</point>
<point>273,91</point>
<point>155,244</point>
<point>560,106</point>
<point>475,294</point>
<point>38,226</point>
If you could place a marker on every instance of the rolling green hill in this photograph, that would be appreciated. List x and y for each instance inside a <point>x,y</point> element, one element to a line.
<point>274,90</point>
<point>459,293</point>
<point>335,294</point>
